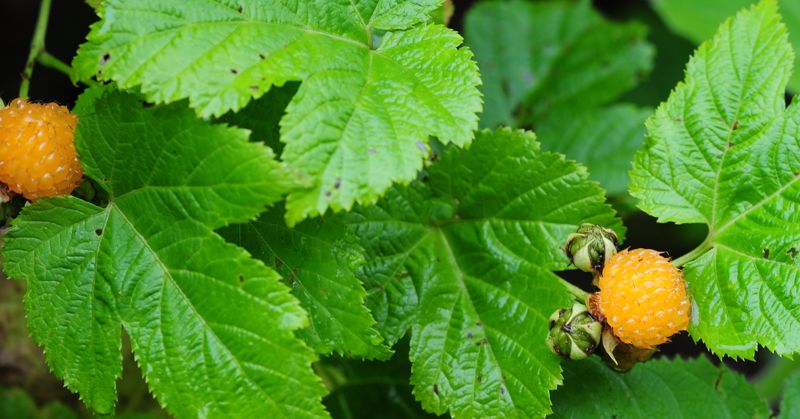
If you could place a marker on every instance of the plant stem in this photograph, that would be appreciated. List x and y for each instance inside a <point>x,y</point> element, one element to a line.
<point>49,61</point>
<point>694,254</point>
<point>770,382</point>
<point>575,291</point>
<point>37,47</point>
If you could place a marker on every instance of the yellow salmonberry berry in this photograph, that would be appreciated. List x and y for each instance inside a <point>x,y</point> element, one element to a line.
<point>37,151</point>
<point>643,298</point>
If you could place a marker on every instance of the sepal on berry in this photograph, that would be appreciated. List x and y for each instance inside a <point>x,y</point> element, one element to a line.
<point>574,332</point>
<point>590,246</point>
<point>620,355</point>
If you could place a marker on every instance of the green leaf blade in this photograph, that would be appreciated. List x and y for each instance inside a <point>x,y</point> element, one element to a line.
<point>722,151</point>
<point>604,139</point>
<point>319,260</point>
<point>551,56</point>
<point>790,404</point>
<point>56,241</point>
<point>478,312</point>
<point>662,388</point>
<point>211,328</point>
<point>345,127</point>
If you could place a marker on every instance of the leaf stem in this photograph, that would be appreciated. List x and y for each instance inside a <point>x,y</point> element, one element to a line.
<point>578,293</point>
<point>770,382</point>
<point>694,254</point>
<point>48,60</point>
<point>37,47</point>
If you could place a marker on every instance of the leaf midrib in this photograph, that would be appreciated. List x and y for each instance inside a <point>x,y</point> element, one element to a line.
<point>466,297</point>
<point>168,278</point>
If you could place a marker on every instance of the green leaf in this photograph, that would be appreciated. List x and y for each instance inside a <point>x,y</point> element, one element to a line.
<point>346,125</point>
<point>15,403</point>
<point>660,388</point>
<point>478,238</point>
<point>723,151</point>
<point>603,139</point>
<point>790,405</point>
<point>319,259</point>
<point>697,21</point>
<point>211,328</point>
<point>95,4</point>
<point>546,57</point>
<point>262,116</point>
<point>359,389</point>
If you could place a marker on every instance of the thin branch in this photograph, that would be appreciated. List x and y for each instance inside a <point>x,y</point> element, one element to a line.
<point>37,47</point>
<point>579,294</point>
<point>694,254</point>
<point>49,61</point>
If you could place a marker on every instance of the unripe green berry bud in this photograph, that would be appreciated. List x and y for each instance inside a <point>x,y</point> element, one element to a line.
<point>574,333</point>
<point>590,246</point>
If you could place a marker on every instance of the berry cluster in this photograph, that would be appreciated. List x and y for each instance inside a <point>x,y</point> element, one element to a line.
<point>642,300</point>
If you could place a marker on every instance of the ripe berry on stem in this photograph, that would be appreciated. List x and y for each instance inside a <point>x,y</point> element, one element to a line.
<point>643,298</point>
<point>37,151</point>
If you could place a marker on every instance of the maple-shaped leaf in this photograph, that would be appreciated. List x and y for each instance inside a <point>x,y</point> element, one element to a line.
<point>377,80</point>
<point>211,328</point>
<point>474,245</point>
<point>724,151</point>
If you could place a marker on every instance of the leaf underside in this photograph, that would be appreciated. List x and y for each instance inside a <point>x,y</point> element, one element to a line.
<point>724,151</point>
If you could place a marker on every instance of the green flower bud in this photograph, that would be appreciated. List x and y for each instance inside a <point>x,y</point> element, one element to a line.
<point>590,246</point>
<point>574,333</point>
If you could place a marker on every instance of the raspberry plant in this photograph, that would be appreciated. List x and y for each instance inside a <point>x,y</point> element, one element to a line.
<point>325,208</point>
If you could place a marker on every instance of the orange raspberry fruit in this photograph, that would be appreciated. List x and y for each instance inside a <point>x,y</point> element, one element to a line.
<point>643,298</point>
<point>37,150</point>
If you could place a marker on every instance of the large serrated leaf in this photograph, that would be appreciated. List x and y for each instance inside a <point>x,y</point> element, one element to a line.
<point>319,259</point>
<point>724,151</point>
<point>368,101</point>
<point>657,389</point>
<point>211,328</point>
<point>473,245</point>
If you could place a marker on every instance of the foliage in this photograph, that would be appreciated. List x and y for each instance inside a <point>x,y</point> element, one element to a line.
<point>661,388</point>
<point>557,67</point>
<point>698,20</point>
<point>475,255</point>
<point>790,406</point>
<point>355,63</point>
<point>217,134</point>
<point>15,403</point>
<point>723,151</point>
<point>168,280</point>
